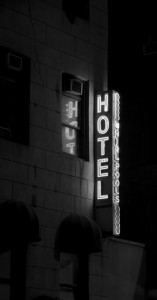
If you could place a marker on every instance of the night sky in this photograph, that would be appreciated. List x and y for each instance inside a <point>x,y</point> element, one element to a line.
<point>132,73</point>
<point>131,25</point>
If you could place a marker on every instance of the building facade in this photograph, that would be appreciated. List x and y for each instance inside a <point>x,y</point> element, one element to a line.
<point>45,47</point>
<point>54,58</point>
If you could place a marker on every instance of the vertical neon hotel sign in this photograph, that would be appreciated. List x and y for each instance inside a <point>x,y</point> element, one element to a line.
<point>107,153</point>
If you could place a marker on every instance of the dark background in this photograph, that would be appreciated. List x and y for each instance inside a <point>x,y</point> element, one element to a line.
<point>132,65</point>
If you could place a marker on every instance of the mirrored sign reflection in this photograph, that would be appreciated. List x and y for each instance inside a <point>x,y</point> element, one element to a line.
<point>70,121</point>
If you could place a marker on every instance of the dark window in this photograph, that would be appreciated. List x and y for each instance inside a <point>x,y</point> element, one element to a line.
<point>14,96</point>
<point>5,275</point>
<point>75,130</point>
<point>13,273</point>
<point>74,276</point>
<point>75,9</point>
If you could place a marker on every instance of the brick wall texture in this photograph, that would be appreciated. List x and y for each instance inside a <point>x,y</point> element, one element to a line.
<point>40,174</point>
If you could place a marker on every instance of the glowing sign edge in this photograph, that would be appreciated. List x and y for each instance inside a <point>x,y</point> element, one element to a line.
<point>115,120</point>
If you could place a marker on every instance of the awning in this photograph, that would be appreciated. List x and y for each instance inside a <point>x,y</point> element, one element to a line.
<point>18,224</point>
<point>78,234</point>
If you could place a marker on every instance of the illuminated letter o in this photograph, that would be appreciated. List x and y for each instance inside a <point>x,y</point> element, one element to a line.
<point>117,182</point>
<point>117,175</point>
<point>99,127</point>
